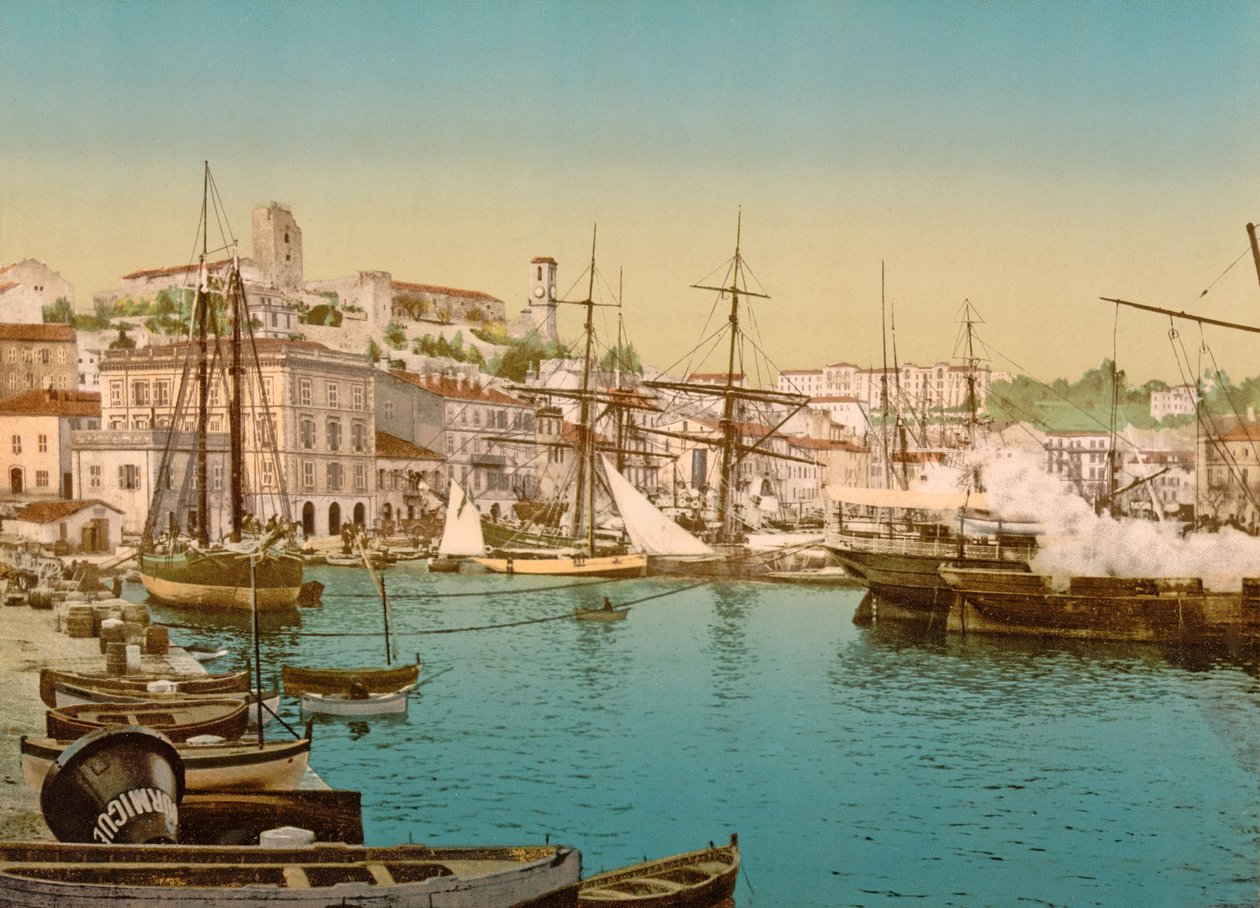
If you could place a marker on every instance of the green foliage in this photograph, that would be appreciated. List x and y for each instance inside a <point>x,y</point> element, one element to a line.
<point>90,323</point>
<point>331,296</point>
<point>623,357</point>
<point>475,315</point>
<point>396,335</point>
<point>322,314</point>
<point>524,355</point>
<point>416,306</point>
<point>59,313</point>
<point>444,315</point>
<point>123,342</point>
<point>374,352</point>
<point>1083,404</point>
<point>493,333</point>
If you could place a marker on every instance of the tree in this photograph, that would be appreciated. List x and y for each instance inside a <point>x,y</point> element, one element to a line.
<point>623,357</point>
<point>396,335</point>
<point>374,352</point>
<point>60,312</point>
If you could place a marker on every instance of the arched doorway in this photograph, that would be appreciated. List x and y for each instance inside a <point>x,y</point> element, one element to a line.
<point>334,519</point>
<point>308,519</point>
<point>387,511</point>
<point>15,480</point>
<point>359,514</point>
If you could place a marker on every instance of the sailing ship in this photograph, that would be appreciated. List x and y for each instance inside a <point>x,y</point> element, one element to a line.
<point>580,553</point>
<point>181,562</point>
<point>898,554</point>
<point>461,533</point>
<point>745,431</point>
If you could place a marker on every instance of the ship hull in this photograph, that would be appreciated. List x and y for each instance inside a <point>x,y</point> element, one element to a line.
<point>599,566</point>
<point>221,579</point>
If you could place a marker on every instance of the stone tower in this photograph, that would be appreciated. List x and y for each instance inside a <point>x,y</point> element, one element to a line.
<point>542,296</point>
<point>278,246</point>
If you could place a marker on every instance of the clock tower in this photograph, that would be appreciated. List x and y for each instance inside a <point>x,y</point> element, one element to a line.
<point>542,296</point>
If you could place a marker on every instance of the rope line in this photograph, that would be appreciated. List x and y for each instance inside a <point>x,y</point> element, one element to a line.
<point>398,597</point>
<point>567,616</point>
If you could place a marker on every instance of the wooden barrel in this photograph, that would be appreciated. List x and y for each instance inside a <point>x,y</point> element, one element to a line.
<point>156,640</point>
<point>116,659</point>
<point>112,631</point>
<point>42,598</point>
<point>78,620</point>
<point>136,613</point>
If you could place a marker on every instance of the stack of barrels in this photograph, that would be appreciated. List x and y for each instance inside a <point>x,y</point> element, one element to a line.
<point>80,622</point>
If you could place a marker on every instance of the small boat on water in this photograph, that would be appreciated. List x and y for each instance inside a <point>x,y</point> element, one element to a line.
<point>204,654</point>
<point>828,576</point>
<point>54,875</point>
<point>607,613</point>
<point>67,694</point>
<point>199,683</point>
<point>695,879</point>
<point>210,766</point>
<point>629,565</point>
<point>377,680</point>
<point>179,720</point>
<point>357,702</point>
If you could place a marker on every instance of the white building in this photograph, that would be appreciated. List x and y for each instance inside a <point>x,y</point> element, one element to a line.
<point>69,526</point>
<point>1178,401</point>
<point>28,287</point>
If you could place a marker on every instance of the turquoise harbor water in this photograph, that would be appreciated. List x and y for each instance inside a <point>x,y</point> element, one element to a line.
<point>860,766</point>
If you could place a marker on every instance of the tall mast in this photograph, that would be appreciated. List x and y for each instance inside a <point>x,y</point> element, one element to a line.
<point>970,357</point>
<point>883,382</point>
<point>726,480</point>
<point>236,293</point>
<point>586,434</point>
<point>203,384</point>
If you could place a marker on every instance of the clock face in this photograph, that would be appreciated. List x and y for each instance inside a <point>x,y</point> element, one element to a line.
<point>538,292</point>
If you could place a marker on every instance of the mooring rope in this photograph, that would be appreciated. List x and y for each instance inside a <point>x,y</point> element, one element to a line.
<point>566,616</point>
<point>395,597</point>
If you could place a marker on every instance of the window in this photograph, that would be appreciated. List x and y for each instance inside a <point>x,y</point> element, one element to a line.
<point>128,476</point>
<point>41,479</point>
<point>13,354</point>
<point>216,477</point>
<point>360,477</point>
<point>115,394</point>
<point>356,397</point>
<point>45,355</point>
<point>61,355</point>
<point>308,474</point>
<point>380,479</point>
<point>266,389</point>
<point>262,430</point>
<point>304,392</point>
<point>43,444</point>
<point>389,409</point>
<point>94,476</point>
<point>140,393</point>
<point>476,417</point>
<point>268,474</point>
<point>334,477</point>
<point>333,396</point>
<point>13,381</point>
<point>161,393</point>
<point>358,436</point>
<point>334,434</point>
<point>17,444</point>
<point>306,432</point>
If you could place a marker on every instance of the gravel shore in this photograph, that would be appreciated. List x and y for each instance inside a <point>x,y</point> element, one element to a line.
<point>30,641</point>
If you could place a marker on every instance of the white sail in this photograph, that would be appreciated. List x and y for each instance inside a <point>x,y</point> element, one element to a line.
<point>462,533</point>
<point>651,531</point>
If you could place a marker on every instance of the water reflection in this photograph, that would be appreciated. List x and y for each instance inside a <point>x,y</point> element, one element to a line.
<point>728,643</point>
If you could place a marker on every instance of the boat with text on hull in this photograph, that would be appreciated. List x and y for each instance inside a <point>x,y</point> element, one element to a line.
<point>1173,610</point>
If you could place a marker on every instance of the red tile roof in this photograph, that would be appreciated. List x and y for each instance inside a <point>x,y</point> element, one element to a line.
<point>714,376</point>
<point>8,286</point>
<point>174,270</point>
<point>443,291</point>
<point>8,267</point>
<point>50,511</point>
<point>391,446</point>
<point>13,331</point>
<point>51,402</point>
<point>456,389</point>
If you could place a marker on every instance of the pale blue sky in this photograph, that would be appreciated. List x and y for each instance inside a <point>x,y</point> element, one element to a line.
<point>1030,157</point>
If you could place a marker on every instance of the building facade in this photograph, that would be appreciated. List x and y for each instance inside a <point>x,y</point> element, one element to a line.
<point>28,288</point>
<point>36,428</point>
<point>38,356</point>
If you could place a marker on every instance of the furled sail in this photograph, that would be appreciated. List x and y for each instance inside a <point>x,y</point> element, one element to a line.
<point>462,533</point>
<point>651,531</point>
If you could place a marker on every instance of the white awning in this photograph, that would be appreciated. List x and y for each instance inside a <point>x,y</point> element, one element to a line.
<point>897,498</point>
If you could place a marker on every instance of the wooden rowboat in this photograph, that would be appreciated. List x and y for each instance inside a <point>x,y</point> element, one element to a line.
<point>696,879</point>
<point>199,683</point>
<point>54,875</point>
<point>67,694</point>
<point>600,614</point>
<point>220,765</point>
<point>239,817</point>
<point>632,565</point>
<point>365,704</point>
<point>179,720</point>
<point>377,680</point>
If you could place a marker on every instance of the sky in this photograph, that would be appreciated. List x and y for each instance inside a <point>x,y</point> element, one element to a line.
<point>1030,158</point>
